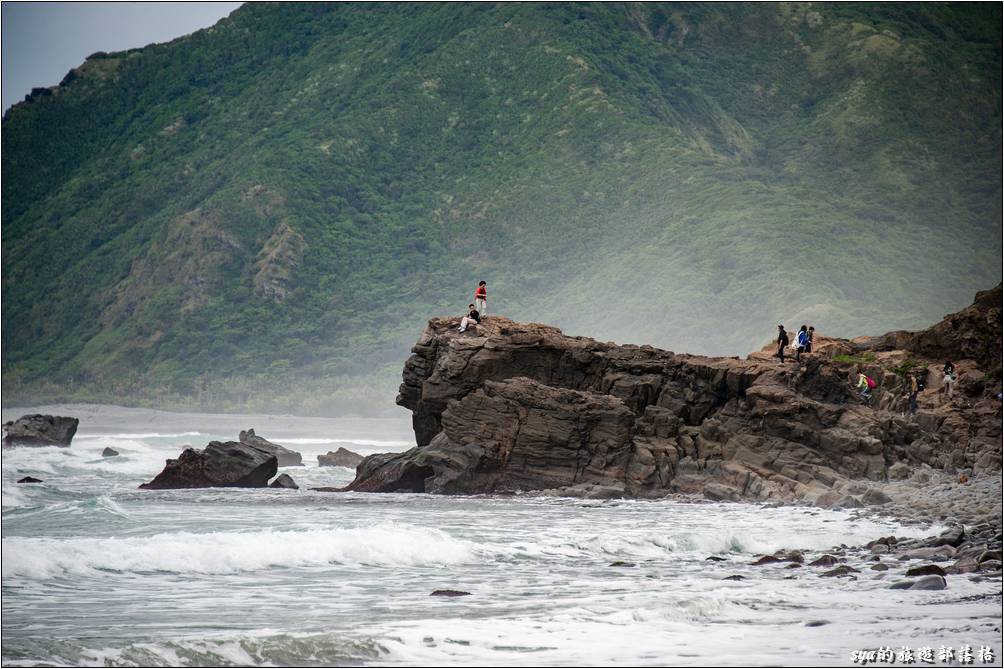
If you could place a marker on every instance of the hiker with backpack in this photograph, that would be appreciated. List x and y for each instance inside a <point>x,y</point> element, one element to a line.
<point>782,341</point>
<point>481,298</point>
<point>802,341</point>
<point>472,318</point>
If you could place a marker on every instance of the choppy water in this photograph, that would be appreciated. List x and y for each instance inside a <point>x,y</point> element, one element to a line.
<point>96,572</point>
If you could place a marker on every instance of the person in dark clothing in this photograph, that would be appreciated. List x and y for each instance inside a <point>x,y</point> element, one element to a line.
<point>948,383</point>
<point>782,341</point>
<point>471,318</point>
<point>808,345</point>
<point>802,340</point>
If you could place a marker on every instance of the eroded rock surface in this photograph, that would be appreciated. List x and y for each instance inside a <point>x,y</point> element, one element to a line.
<point>343,457</point>
<point>285,456</point>
<point>40,430</point>
<point>521,407</point>
<point>227,464</point>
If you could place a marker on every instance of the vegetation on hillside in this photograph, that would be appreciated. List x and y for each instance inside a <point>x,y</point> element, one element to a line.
<point>263,214</point>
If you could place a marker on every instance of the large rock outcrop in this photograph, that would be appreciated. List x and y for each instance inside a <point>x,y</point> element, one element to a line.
<point>40,430</point>
<point>520,407</point>
<point>219,465</point>
<point>343,457</point>
<point>285,456</point>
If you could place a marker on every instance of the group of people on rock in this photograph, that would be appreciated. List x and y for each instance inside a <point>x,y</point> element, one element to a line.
<point>803,341</point>
<point>915,383</point>
<point>477,310</point>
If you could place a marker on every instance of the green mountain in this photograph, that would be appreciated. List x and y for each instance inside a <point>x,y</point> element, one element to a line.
<point>263,214</point>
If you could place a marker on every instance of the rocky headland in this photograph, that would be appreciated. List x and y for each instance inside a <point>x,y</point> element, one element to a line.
<point>518,407</point>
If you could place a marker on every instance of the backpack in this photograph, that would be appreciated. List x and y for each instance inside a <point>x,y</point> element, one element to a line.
<point>802,337</point>
<point>871,382</point>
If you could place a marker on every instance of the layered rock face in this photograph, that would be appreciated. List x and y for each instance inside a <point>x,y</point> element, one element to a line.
<point>218,465</point>
<point>519,407</point>
<point>40,430</point>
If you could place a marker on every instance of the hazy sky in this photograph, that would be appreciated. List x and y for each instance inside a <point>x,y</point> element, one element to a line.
<point>42,41</point>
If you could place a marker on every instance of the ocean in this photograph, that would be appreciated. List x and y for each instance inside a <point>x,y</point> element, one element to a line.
<point>98,572</point>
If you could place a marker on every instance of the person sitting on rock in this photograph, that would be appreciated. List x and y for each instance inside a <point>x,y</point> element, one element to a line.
<point>782,341</point>
<point>470,319</point>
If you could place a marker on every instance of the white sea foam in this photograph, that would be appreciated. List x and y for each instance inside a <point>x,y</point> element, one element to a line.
<point>138,435</point>
<point>228,552</point>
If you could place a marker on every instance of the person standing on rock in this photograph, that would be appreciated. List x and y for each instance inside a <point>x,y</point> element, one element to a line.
<point>481,298</point>
<point>864,386</point>
<point>808,344</point>
<point>802,339</point>
<point>949,381</point>
<point>782,341</point>
<point>472,318</point>
<point>914,390</point>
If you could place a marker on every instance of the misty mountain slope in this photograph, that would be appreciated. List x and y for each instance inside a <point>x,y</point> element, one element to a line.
<point>269,210</point>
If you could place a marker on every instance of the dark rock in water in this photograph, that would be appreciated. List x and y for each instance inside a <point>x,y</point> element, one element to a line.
<point>824,561</point>
<point>621,563</point>
<point>953,536</point>
<point>109,453</point>
<point>284,481</point>
<point>933,582</point>
<point>284,456</point>
<point>881,566</point>
<point>766,559</point>
<point>218,465</point>
<point>343,457</point>
<point>817,623</point>
<point>40,430</point>
<point>734,577</point>
<point>791,556</point>
<point>842,570</point>
<point>30,479</point>
<point>448,593</point>
<point>925,570</point>
<point>901,585</point>
<point>715,558</point>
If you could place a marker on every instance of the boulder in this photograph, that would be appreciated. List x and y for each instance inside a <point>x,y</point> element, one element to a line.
<point>284,456</point>
<point>953,536</point>
<point>109,453</point>
<point>30,479</point>
<point>874,497</point>
<point>343,457</point>
<point>284,481</point>
<point>925,570</point>
<point>218,465</point>
<point>824,561</point>
<point>932,582</point>
<point>40,430</point>
<point>448,593</point>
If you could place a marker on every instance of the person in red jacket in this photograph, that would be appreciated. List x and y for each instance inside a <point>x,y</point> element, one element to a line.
<point>481,298</point>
